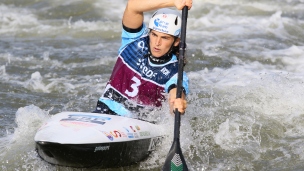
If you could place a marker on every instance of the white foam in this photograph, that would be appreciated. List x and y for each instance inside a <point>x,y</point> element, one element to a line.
<point>35,83</point>
<point>14,19</point>
<point>2,70</point>
<point>292,57</point>
<point>19,149</point>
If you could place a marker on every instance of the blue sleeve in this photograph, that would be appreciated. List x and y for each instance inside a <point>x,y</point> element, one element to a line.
<point>173,80</point>
<point>127,37</point>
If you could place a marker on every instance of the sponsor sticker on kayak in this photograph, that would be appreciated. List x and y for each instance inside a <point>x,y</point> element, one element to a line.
<point>76,125</point>
<point>102,148</point>
<point>86,118</point>
<point>144,133</point>
<point>110,137</point>
<point>118,134</point>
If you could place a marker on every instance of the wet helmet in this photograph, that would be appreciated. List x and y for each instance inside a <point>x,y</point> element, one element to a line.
<point>166,21</point>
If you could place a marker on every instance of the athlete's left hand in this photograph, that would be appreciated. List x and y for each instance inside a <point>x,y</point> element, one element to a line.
<point>179,4</point>
<point>177,103</point>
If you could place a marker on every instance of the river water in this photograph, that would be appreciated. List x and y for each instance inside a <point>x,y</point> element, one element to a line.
<point>245,64</point>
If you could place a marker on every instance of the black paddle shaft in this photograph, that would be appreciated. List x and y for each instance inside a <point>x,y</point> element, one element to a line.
<point>182,50</point>
<point>175,160</point>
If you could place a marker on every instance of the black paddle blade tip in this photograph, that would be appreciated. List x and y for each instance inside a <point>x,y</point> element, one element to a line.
<point>175,160</point>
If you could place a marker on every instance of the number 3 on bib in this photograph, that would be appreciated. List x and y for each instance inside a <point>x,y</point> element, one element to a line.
<point>134,87</point>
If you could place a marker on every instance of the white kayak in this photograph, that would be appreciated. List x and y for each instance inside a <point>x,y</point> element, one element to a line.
<point>79,139</point>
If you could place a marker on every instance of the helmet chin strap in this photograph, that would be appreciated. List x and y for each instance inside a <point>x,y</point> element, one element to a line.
<point>163,59</point>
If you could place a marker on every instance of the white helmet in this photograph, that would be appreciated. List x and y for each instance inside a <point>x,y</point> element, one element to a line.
<point>166,21</point>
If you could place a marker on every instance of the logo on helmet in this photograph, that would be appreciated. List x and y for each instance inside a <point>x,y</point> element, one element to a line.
<point>156,21</point>
<point>162,24</point>
<point>177,32</point>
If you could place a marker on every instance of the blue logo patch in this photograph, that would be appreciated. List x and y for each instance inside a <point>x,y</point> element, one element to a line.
<point>156,21</point>
<point>130,135</point>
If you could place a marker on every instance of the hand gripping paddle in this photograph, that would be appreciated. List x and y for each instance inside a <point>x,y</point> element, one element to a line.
<point>175,160</point>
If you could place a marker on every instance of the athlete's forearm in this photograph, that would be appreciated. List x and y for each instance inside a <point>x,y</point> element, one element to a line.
<point>141,6</point>
<point>133,15</point>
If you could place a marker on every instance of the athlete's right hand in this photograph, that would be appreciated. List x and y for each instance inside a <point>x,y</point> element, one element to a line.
<point>179,4</point>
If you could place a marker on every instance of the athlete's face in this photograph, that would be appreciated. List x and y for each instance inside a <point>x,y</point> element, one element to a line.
<point>160,43</point>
